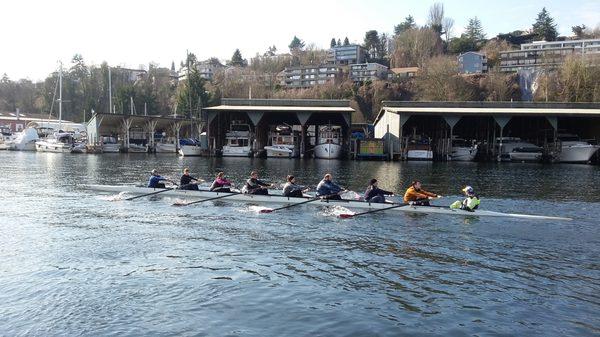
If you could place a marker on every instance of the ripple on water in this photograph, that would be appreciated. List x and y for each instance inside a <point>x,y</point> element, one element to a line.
<point>75,263</point>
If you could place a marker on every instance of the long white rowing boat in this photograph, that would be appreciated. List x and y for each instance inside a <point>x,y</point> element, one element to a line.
<point>280,199</point>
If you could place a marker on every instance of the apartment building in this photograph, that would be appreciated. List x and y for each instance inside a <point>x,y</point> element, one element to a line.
<point>308,76</point>
<point>368,72</point>
<point>546,54</point>
<point>346,55</point>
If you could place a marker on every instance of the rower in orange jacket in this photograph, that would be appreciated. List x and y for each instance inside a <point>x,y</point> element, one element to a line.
<point>417,196</point>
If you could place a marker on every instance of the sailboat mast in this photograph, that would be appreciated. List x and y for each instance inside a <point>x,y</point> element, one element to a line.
<point>110,109</point>
<point>190,95</point>
<point>60,98</point>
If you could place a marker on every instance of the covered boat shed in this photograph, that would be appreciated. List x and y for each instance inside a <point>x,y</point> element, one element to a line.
<point>487,122</point>
<point>263,113</point>
<point>141,129</point>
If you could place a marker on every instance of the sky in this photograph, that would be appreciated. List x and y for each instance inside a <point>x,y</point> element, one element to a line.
<point>37,34</point>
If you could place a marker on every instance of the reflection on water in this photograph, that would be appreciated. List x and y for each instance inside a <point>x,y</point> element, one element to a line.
<point>75,263</point>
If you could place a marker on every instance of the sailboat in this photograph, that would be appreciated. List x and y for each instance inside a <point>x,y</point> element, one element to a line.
<point>59,141</point>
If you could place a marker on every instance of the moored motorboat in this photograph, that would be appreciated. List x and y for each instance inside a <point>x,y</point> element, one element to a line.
<point>280,199</point>
<point>575,150</point>
<point>59,142</point>
<point>283,143</point>
<point>462,150</point>
<point>329,143</point>
<point>239,140</point>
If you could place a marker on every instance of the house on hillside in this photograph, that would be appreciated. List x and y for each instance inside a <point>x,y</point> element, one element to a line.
<point>472,63</point>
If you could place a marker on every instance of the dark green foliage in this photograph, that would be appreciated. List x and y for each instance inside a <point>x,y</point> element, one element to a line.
<point>544,26</point>
<point>237,60</point>
<point>409,23</point>
<point>296,45</point>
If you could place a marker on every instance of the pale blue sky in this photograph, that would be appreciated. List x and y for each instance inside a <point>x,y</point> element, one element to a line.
<point>134,32</point>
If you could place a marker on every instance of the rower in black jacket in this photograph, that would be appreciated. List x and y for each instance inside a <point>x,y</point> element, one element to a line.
<point>376,194</point>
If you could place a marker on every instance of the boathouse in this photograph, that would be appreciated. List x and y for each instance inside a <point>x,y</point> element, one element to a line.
<point>437,123</point>
<point>139,129</point>
<point>306,115</point>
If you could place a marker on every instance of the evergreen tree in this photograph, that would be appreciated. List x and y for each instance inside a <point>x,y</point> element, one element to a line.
<point>409,23</point>
<point>579,31</point>
<point>237,60</point>
<point>474,30</point>
<point>339,42</point>
<point>544,26</point>
<point>296,44</point>
<point>346,41</point>
<point>332,44</point>
<point>372,43</point>
<point>172,65</point>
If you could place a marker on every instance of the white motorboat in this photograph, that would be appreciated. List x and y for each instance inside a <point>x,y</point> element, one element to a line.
<point>280,151</point>
<point>575,150</point>
<point>329,143</point>
<point>516,150</point>
<point>283,143</point>
<point>137,148</point>
<point>165,147</point>
<point>110,145</point>
<point>280,199</point>
<point>189,148</point>
<point>463,150</point>
<point>239,140</point>
<point>61,142</point>
<point>24,141</point>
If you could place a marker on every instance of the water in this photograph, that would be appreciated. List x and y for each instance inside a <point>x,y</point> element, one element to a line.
<point>75,263</point>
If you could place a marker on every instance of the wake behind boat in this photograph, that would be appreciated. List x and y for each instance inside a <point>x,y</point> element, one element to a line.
<point>280,199</point>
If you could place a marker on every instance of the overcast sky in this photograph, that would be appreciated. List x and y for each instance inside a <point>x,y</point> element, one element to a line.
<point>37,34</point>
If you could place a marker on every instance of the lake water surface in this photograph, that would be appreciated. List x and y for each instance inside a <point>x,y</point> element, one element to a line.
<point>72,262</point>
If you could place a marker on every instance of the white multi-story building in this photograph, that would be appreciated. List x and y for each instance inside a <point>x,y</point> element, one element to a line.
<point>308,76</point>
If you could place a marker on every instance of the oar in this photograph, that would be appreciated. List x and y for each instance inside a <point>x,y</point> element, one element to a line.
<point>203,200</point>
<point>347,215</point>
<point>153,193</point>
<point>269,210</point>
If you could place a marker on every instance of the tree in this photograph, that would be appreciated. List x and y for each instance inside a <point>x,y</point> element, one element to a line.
<point>447,25</point>
<point>332,44</point>
<point>474,30</point>
<point>296,45</point>
<point>470,40</point>
<point>492,50</point>
<point>436,18</point>
<point>346,41</point>
<point>579,31</point>
<point>409,23</point>
<point>372,43</point>
<point>271,51</point>
<point>544,26</point>
<point>237,60</point>
<point>415,46</point>
<point>191,95</point>
<point>339,42</point>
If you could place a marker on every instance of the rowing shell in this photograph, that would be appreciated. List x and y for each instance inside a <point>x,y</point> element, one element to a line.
<point>280,199</point>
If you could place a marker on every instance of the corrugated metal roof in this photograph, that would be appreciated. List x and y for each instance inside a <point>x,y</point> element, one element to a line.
<point>279,108</point>
<point>495,111</point>
<point>492,111</point>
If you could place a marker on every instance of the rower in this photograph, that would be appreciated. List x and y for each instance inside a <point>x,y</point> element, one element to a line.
<point>221,184</point>
<point>187,182</point>
<point>376,194</point>
<point>327,189</point>
<point>470,203</point>
<point>155,180</point>
<point>418,196</point>
<point>291,189</point>
<point>256,186</point>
